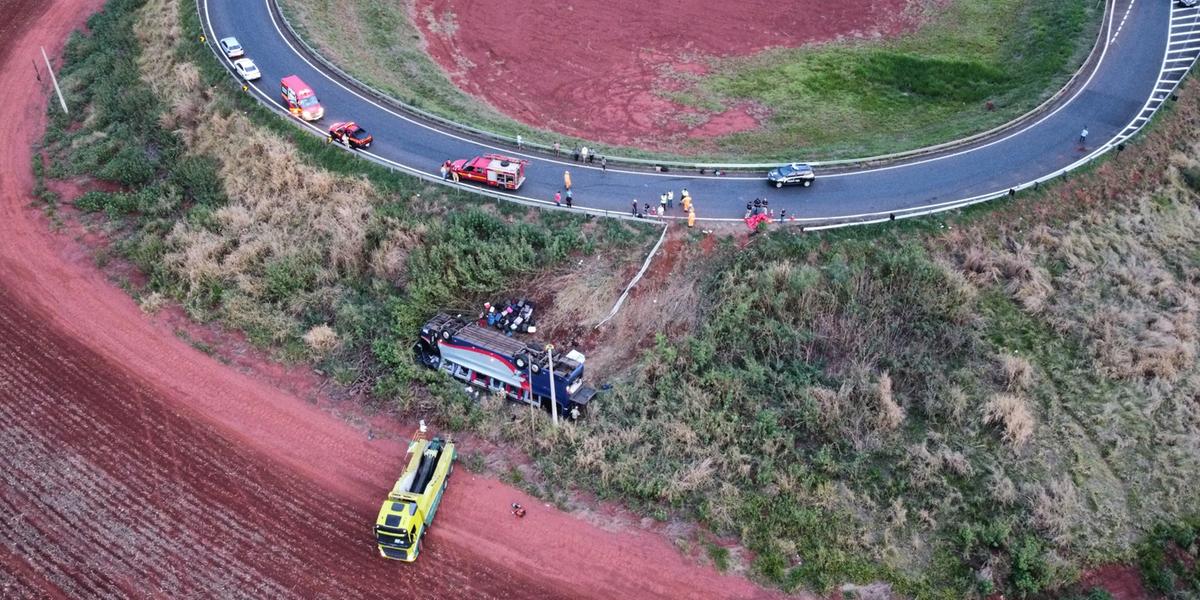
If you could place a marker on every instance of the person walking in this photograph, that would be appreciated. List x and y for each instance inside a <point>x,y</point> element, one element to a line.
<point>1083,136</point>
<point>782,214</point>
<point>670,198</point>
<point>687,203</point>
<point>557,148</point>
<point>520,142</point>
<point>570,199</point>
<point>662,208</point>
<point>567,179</point>
<point>691,218</point>
<point>604,163</point>
<point>558,198</point>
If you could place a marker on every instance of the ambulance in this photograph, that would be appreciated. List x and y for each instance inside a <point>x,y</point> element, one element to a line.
<point>299,99</point>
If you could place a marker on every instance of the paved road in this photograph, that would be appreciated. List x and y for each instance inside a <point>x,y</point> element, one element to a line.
<point>1135,75</point>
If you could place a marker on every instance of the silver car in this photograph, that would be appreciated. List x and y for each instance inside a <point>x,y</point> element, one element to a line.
<point>231,47</point>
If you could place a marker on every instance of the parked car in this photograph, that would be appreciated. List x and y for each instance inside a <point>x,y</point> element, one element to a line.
<point>231,47</point>
<point>791,174</point>
<point>350,134</point>
<point>246,69</point>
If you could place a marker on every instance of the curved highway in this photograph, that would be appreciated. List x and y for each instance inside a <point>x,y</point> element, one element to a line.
<point>1146,47</point>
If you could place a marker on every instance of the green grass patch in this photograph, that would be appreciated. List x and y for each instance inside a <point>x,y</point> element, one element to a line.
<point>861,99</point>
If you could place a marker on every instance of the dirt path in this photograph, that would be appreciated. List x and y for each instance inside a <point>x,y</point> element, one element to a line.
<point>604,70</point>
<point>133,464</point>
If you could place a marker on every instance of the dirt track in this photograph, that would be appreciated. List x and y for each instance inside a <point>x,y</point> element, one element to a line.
<point>599,69</point>
<point>134,465</point>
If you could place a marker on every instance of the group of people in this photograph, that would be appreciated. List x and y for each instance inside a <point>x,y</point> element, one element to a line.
<point>666,201</point>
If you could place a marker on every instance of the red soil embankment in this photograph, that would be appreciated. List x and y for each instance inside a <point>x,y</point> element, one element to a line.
<point>598,70</point>
<point>132,464</point>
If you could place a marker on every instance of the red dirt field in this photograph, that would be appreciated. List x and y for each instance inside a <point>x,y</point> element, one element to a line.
<point>595,69</point>
<point>133,465</point>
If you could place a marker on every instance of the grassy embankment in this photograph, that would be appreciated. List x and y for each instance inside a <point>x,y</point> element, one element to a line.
<point>842,100</point>
<point>984,401</point>
<point>241,218</point>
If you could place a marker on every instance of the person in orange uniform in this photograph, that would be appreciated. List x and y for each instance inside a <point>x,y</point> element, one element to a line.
<point>567,179</point>
<point>691,218</point>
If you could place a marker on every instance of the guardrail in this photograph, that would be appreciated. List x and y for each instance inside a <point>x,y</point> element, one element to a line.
<point>695,166</point>
<point>805,223</point>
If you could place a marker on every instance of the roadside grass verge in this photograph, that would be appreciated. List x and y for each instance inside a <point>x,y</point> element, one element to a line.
<point>839,100</point>
<point>860,99</point>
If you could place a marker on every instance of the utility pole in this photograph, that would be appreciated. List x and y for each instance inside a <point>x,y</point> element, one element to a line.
<point>55,80</point>
<point>553,398</point>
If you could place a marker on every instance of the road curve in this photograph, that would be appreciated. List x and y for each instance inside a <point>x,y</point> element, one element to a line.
<point>1147,48</point>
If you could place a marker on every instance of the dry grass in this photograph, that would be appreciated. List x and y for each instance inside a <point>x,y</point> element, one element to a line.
<point>1011,413</point>
<point>282,212</point>
<point>322,339</point>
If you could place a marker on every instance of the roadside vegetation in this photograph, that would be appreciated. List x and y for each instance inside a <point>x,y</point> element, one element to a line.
<point>241,218</point>
<point>985,402</point>
<point>840,100</point>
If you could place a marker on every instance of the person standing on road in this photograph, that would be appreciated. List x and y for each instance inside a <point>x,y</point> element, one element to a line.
<point>557,147</point>
<point>604,163</point>
<point>558,198</point>
<point>583,152</point>
<point>782,214</point>
<point>570,199</point>
<point>662,208</point>
<point>633,211</point>
<point>567,180</point>
<point>670,198</point>
<point>520,142</point>
<point>1083,136</point>
<point>662,202</point>
<point>691,218</point>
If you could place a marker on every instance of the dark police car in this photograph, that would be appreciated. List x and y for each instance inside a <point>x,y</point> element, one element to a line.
<point>793,174</point>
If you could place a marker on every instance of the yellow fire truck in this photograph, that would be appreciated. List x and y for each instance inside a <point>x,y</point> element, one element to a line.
<point>409,509</point>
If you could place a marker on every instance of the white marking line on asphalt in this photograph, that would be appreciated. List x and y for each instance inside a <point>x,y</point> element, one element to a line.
<point>508,151</point>
<point>1101,61</point>
<point>904,212</point>
<point>1122,25</point>
<point>1174,69</point>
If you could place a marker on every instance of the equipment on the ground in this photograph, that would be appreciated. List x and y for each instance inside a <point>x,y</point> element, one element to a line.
<point>485,358</point>
<point>409,509</point>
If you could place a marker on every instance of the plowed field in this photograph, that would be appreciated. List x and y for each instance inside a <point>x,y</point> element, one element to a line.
<point>133,465</point>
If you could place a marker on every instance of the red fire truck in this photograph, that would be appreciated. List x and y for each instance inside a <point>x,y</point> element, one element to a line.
<point>492,169</point>
<point>299,99</point>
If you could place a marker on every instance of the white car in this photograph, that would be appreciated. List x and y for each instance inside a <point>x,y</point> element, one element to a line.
<point>231,47</point>
<point>246,69</point>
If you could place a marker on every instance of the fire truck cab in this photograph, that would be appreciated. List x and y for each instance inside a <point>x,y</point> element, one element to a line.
<point>299,99</point>
<point>492,169</point>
